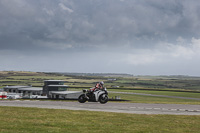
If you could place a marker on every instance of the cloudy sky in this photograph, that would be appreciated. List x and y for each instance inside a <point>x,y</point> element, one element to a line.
<point>140,37</point>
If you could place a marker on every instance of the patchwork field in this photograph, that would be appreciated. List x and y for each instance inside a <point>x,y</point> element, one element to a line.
<point>180,86</point>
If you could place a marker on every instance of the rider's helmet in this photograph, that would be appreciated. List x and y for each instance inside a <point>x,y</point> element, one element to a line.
<point>101,83</point>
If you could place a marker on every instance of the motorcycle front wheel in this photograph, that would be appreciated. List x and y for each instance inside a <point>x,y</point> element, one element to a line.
<point>103,99</point>
<point>82,98</point>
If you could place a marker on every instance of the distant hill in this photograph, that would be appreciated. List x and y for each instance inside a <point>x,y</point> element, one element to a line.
<point>96,74</point>
<point>20,73</point>
<point>29,73</point>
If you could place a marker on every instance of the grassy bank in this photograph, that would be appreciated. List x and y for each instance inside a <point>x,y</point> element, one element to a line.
<point>17,119</point>
<point>151,99</point>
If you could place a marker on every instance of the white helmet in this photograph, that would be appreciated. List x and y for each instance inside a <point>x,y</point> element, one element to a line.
<point>102,83</point>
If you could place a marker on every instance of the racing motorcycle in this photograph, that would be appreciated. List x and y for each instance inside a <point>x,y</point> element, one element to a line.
<point>96,96</point>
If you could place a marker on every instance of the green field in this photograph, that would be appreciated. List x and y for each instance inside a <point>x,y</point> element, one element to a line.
<point>151,99</point>
<point>182,86</point>
<point>17,120</point>
<point>134,82</point>
<point>168,93</point>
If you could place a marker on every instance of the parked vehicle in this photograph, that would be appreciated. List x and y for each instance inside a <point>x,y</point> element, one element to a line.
<point>14,95</point>
<point>3,95</point>
<point>96,96</point>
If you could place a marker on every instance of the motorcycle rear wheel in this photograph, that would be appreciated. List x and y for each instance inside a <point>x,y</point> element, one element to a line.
<point>82,98</point>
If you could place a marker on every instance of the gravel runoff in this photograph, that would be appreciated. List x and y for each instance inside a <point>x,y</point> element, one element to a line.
<point>134,108</point>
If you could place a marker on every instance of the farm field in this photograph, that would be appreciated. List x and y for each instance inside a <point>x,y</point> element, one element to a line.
<point>21,119</point>
<point>185,83</point>
<point>182,86</point>
<point>130,82</point>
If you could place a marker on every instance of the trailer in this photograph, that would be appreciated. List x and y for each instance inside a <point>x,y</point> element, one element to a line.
<point>14,95</point>
<point>3,95</point>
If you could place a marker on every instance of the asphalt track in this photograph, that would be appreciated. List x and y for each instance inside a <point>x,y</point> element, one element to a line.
<point>135,108</point>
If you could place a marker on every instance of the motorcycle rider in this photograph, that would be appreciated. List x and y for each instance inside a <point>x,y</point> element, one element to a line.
<point>98,86</point>
<point>96,94</point>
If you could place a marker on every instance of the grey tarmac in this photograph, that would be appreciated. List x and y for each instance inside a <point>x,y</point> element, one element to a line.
<point>135,108</point>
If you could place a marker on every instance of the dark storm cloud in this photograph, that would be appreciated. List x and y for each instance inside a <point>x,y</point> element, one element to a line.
<point>74,24</point>
<point>125,35</point>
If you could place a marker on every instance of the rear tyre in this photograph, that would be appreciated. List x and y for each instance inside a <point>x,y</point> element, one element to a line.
<point>103,99</point>
<point>82,98</point>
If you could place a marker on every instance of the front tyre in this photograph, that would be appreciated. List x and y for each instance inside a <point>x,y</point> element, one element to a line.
<point>82,98</point>
<point>103,99</point>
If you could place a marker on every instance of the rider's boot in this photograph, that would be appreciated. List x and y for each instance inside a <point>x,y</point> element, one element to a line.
<point>86,97</point>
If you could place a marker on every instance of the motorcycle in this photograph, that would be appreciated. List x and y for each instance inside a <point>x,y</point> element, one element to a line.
<point>96,96</point>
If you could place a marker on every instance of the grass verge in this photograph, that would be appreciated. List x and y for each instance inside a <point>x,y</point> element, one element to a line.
<point>18,119</point>
<point>152,99</point>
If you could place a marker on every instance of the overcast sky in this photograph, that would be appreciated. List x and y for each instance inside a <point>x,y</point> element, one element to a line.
<point>140,37</point>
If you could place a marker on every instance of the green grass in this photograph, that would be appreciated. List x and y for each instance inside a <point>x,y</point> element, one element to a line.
<point>152,82</point>
<point>151,99</point>
<point>18,119</point>
<point>167,93</point>
<point>125,83</point>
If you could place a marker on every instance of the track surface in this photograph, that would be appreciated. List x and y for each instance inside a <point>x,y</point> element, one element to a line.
<point>137,108</point>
